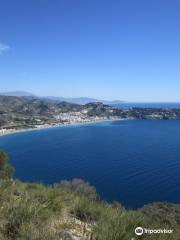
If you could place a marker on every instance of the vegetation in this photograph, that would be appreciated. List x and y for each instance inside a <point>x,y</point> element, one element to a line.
<point>21,112</point>
<point>6,171</point>
<point>28,112</point>
<point>72,210</point>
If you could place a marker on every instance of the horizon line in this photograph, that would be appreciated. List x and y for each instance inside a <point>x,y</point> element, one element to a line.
<point>95,98</point>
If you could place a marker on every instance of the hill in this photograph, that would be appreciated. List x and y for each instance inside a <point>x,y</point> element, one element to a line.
<point>72,211</point>
<point>17,94</point>
<point>78,100</point>
<point>24,112</point>
<point>20,112</point>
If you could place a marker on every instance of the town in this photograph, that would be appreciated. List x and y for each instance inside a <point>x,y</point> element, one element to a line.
<point>22,114</point>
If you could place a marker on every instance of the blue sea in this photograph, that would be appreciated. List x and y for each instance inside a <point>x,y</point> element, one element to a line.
<point>133,161</point>
<point>148,105</point>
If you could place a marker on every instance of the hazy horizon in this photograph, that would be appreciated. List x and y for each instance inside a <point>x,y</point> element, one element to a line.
<point>103,99</point>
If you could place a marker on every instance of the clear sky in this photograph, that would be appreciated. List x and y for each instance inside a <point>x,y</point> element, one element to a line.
<point>111,49</point>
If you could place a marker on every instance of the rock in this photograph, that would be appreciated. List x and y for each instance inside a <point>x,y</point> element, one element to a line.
<point>65,235</point>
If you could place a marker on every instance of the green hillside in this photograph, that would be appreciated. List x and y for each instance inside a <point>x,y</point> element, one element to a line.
<point>26,112</point>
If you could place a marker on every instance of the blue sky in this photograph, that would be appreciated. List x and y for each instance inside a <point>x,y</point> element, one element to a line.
<point>111,49</point>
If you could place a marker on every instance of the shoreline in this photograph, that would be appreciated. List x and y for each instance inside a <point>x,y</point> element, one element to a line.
<point>48,126</point>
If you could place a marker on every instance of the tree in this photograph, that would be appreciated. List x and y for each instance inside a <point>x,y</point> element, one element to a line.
<point>6,170</point>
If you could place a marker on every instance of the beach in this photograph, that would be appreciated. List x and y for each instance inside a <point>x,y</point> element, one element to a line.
<point>4,131</point>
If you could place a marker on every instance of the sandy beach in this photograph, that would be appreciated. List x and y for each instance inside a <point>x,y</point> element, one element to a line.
<point>4,132</point>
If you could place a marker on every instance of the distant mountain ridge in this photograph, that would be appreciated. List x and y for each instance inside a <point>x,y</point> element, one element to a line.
<point>78,100</point>
<point>17,94</point>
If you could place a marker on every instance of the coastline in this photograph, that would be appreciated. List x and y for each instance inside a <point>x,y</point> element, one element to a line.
<point>50,126</point>
<point>5,132</point>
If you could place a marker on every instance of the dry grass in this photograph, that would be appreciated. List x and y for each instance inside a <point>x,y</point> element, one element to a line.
<point>38,212</point>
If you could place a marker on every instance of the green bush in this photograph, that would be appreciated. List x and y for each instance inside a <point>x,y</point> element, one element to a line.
<point>6,171</point>
<point>80,187</point>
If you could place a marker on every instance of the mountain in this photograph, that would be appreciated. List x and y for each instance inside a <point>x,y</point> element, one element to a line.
<point>79,100</point>
<point>25,112</point>
<point>17,94</point>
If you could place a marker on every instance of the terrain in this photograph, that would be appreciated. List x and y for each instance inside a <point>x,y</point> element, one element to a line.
<point>77,100</point>
<point>72,211</point>
<point>24,113</point>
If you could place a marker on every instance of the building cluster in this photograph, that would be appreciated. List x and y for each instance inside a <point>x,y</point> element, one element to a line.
<point>4,131</point>
<point>77,117</point>
<point>90,114</point>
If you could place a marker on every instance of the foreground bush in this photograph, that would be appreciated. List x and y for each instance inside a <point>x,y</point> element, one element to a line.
<point>38,212</point>
<point>6,171</point>
<point>80,187</point>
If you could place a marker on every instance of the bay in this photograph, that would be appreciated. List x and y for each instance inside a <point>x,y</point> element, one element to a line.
<point>133,161</point>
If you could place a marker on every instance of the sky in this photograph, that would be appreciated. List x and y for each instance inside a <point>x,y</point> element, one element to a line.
<point>106,49</point>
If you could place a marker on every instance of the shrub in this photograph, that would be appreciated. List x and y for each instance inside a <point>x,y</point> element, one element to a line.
<point>6,170</point>
<point>87,210</point>
<point>80,187</point>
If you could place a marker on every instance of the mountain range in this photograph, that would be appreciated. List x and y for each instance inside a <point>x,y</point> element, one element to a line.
<point>78,100</point>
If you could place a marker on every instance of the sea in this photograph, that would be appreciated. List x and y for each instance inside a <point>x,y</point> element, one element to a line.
<point>135,162</point>
<point>172,105</point>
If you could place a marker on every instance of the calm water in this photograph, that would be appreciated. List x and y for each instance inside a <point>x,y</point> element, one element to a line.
<point>134,162</point>
<point>148,105</point>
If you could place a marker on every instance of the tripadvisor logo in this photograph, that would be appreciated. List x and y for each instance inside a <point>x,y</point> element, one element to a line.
<point>140,231</point>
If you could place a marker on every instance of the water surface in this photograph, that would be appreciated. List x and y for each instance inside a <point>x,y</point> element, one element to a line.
<point>148,105</point>
<point>134,161</point>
